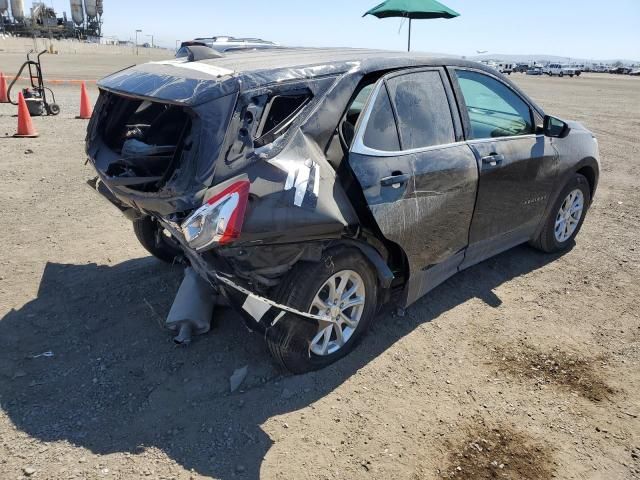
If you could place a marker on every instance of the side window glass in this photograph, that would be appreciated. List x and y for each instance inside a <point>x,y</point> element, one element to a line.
<point>424,116</point>
<point>494,110</point>
<point>381,132</point>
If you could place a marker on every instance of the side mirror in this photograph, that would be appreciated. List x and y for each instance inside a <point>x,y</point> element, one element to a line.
<point>555,128</point>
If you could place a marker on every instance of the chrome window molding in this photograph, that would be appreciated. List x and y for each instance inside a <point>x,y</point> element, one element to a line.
<point>502,139</point>
<point>358,146</point>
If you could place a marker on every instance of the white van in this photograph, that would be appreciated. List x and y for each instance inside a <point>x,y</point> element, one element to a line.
<point>506,68</point>
<point>559,70</point>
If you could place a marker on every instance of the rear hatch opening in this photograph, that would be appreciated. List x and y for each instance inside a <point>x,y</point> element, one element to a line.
<point>146,139</point>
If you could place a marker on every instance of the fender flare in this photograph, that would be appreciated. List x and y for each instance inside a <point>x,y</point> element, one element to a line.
<point>383,272</point>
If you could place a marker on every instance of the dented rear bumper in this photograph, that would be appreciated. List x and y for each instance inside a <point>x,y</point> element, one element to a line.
<point>258,311</point>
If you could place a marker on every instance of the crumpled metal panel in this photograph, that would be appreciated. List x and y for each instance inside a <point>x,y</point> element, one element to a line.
<point>239,150</point>
<point>259,312</point>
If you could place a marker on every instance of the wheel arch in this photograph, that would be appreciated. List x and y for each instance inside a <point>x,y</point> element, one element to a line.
<point>383,272</point>
<point>588,167</point>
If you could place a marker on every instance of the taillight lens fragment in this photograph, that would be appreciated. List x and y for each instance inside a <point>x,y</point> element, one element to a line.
<point>219,221</point>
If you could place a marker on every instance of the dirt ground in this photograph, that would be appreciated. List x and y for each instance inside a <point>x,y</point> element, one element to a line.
<point>523,367</point>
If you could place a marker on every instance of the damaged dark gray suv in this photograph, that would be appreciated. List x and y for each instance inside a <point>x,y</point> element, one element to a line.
<point>307,187</point>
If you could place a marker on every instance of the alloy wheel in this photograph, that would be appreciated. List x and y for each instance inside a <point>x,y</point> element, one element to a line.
<point>342,297</point>
<point>569,215</point>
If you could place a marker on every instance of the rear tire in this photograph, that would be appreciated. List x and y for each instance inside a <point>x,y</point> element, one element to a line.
<point>554,237</point>
<point>156,241</point>
<point>291,340</point>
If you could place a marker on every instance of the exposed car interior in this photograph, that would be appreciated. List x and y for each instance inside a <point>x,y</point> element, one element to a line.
<point>148,137</point>
<point>279,114</point>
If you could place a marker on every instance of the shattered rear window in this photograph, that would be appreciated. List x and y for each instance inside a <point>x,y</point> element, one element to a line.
<point>265,118</point>
<point>149,138</point>
<point>279,114</point>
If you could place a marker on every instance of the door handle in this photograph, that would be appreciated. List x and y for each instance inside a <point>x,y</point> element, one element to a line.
<point>395,180</point>
<point>493,160</point>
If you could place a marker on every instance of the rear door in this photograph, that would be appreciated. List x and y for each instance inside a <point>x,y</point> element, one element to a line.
<point>517,165</point>
<point>418,176</point>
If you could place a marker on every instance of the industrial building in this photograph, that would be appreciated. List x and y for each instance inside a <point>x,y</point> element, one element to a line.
<point>85,22</point>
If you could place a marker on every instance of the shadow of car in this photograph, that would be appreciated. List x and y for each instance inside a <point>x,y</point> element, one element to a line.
<point>117,383</point>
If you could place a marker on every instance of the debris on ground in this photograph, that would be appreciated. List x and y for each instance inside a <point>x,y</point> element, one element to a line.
<point>237,378</point>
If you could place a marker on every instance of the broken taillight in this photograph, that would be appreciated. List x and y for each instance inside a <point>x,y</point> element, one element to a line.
<point>220,220</point>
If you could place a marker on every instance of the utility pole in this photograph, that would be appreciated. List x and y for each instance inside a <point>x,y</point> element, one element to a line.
<point>137,32</point>
<point>151,39</point>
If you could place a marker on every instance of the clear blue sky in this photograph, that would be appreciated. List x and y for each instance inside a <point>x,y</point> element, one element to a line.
<point>571,28</point>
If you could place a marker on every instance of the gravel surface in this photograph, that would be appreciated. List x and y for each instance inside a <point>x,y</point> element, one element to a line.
<point>523,367</point>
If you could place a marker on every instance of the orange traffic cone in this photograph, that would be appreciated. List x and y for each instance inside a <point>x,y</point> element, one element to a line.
<point>25,126</point>
<point>85,104</point>
<point>3,89</point>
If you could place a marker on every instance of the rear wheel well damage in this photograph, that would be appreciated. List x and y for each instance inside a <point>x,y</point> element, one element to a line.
<point>265,267</point>
<point>290,340</point>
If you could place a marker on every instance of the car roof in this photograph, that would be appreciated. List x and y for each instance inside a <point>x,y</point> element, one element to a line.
<point>195,82</point>
<point>338,59</point>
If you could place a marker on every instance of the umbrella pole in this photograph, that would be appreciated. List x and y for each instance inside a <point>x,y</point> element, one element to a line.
<point>409,41</point>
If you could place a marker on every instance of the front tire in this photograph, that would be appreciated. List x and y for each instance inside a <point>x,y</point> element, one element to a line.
<point>566,217</point>
<point>156,240</point>
<point>342,278</point>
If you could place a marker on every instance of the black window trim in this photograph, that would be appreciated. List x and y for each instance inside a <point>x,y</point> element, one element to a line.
<point>358,145</point>
<point>536,116</point>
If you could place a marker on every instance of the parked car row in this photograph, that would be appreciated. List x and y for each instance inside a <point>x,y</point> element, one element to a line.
<point>560,70</point>
<point>624,71</point>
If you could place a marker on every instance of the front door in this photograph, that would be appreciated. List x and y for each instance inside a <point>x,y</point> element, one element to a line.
<point>517,166</point>
<point>419,179</point>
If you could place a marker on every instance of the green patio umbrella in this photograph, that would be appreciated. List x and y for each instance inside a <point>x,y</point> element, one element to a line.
<point>412,9</point>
